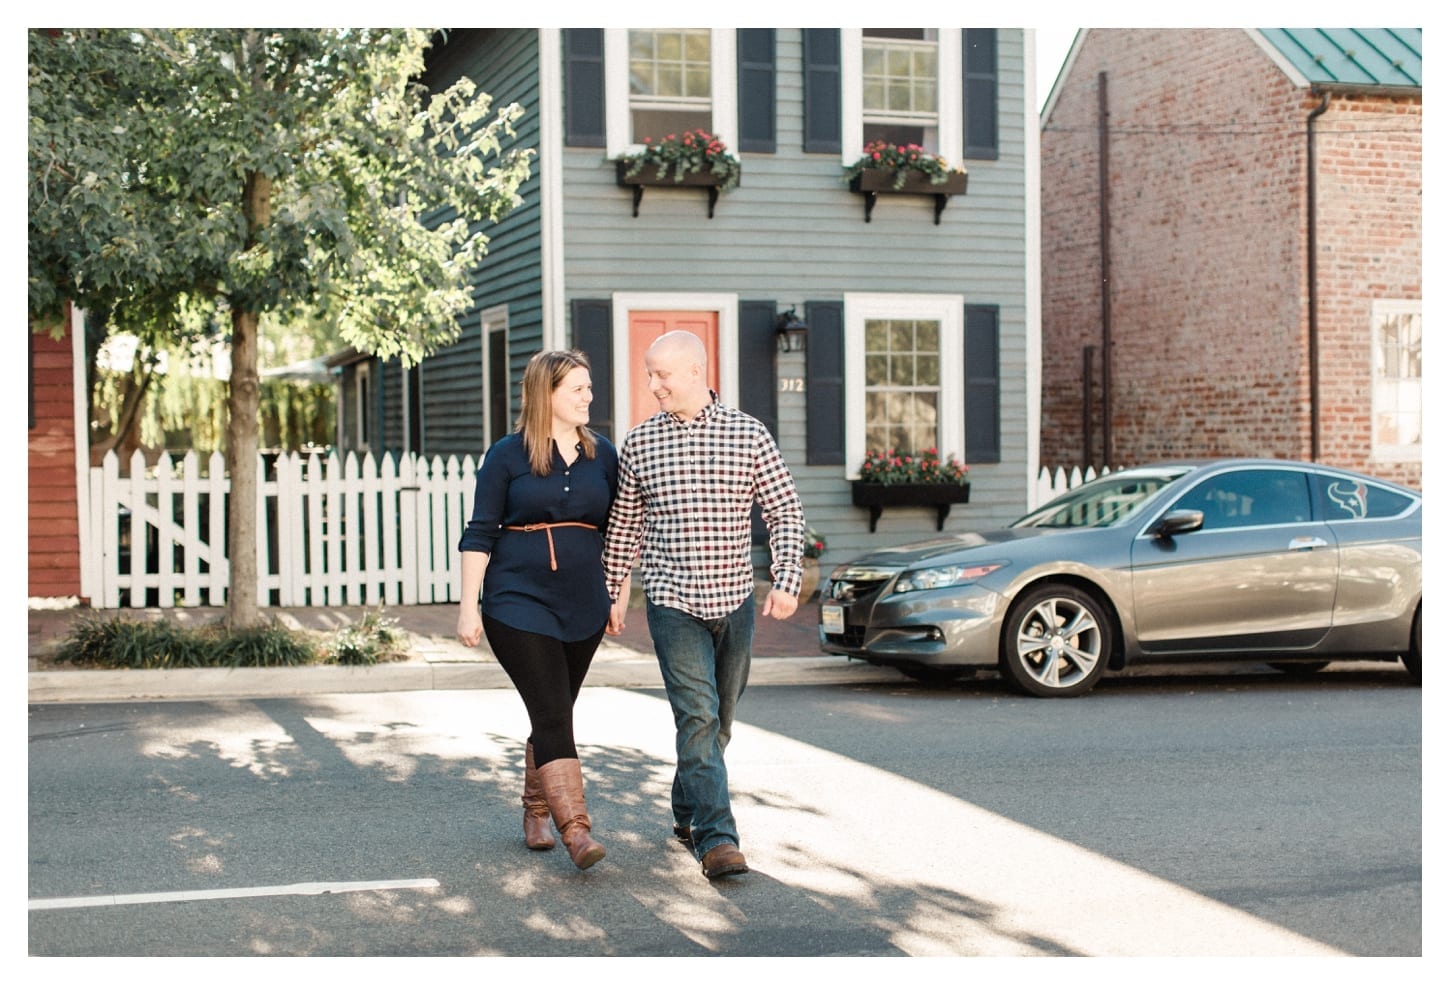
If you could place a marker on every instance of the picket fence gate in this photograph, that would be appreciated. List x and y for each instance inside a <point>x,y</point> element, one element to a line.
<point>330,531</point>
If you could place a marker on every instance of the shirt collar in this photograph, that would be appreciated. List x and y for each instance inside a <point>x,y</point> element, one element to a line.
<point>706,414</point>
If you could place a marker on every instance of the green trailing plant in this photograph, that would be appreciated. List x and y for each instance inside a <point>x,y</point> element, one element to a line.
<point>901,160</point>
<point>691,152</point>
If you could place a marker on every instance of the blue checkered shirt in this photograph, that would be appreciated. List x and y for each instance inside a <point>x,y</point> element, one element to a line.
<point>683,509</point>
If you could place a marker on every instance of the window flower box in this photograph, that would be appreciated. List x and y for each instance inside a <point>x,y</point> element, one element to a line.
<point>876,496</point>
<point>695,159</point>
<point>884,169</point>
<point>881,182</point>
<point>920,478</point>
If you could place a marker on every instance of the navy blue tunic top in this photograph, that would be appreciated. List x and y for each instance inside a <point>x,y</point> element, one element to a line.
<point>519,589</point>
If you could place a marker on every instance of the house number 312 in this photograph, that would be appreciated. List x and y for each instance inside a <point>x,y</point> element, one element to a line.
<point>793,384</point>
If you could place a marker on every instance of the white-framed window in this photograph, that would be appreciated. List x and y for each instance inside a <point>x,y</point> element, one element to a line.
<point>1395,413</point>
<point>899,83</point>
<point>660,81</point>
<point>903,85</point>
<point>904,374</point>
<point>363,407</point>
<point>493,330</point>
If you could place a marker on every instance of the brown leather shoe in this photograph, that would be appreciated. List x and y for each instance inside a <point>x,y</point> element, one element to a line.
<point>723,860</point>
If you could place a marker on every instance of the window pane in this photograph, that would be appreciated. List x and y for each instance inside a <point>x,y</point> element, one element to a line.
<point>902,371</point>
<point>876,370</point>
<point>928,334</point>
<point>876,336</point>
<point>928,370</point>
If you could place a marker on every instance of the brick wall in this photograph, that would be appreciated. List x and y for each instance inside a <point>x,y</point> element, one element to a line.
<point>1369,151</point>
<point>1206,191</point>
<point>54,524</point>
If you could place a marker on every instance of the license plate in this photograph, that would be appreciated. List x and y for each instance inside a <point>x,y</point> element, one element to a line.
<point>833,619</point>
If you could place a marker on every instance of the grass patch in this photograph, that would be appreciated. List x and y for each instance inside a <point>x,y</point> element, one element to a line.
<point>161,644</point>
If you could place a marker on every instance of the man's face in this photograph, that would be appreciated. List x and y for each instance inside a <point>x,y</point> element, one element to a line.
<point>675,381</point>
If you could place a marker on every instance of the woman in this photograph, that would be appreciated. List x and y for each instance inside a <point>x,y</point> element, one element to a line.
<point>533,547</point>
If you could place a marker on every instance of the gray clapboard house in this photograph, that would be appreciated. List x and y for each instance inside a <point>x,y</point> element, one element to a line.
<point>921,312</point>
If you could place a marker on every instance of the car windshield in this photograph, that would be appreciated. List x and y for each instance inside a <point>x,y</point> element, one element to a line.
<point>1102,502</point>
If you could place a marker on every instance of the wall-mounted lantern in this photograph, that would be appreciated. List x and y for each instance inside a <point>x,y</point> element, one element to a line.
<point>790,331</point>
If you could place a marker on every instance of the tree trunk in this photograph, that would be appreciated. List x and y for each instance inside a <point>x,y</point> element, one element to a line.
<point>243,399</point>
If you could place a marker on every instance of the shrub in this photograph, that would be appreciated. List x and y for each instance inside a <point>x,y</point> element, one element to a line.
<point>140,643</point>
<point>372,640</point>
<point>94,640</point>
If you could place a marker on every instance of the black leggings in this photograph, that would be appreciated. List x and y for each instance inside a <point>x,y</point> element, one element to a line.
<point>548,674</point>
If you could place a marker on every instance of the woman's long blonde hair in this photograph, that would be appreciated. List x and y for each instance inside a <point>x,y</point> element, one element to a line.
<point>545,371</point>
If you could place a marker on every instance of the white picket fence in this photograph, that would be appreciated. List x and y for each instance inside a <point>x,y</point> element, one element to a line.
<point>1052,483</point>
<point>329,531</point>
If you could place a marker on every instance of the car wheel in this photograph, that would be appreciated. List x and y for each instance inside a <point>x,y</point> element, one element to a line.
<point>1411,657</point>
<point>1306,667</point>
<point>1056,643</point>
<point>933,675</point>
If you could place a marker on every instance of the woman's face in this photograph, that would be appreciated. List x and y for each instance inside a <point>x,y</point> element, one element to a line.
<point>572,398</point>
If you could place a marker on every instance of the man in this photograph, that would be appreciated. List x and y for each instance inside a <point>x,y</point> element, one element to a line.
<point>687,479</point>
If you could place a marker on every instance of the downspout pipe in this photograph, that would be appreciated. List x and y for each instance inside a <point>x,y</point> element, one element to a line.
<point>1105,269</point>
<point>1312,288</point>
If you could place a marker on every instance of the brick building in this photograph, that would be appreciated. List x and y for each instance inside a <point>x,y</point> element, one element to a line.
<point>1261,250</point>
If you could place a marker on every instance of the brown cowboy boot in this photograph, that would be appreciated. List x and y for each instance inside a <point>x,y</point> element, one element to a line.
<point>563,784</point>
<point>537,833</point>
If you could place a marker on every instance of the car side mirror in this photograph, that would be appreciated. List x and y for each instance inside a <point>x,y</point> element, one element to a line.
<point>1177,522</point>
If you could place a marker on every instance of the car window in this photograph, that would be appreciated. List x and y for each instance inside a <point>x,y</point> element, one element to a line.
<point>1099,503</point>
<point>1345,498</point>
<point>1249,498</point>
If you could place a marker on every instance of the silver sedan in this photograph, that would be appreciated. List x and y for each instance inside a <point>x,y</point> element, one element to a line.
<point>1243,559</point>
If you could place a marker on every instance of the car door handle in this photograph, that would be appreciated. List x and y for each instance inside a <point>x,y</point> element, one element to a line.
<point>1307,543</point>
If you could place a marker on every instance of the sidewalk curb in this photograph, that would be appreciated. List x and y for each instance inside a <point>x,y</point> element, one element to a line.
<point>48,687</point>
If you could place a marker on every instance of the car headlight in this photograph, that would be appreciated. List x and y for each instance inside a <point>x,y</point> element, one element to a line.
<point>943,577</point>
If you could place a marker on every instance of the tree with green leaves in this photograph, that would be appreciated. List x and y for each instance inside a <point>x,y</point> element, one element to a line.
<point>186,182</point>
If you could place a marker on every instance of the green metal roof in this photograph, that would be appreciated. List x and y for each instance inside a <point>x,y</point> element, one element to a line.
<point>1351,56</point>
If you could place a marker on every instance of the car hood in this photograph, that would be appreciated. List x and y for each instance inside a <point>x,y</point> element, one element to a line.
<point>905,555</point>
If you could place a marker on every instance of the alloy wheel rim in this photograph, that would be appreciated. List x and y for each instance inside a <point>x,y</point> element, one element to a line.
<point>1059,643</point>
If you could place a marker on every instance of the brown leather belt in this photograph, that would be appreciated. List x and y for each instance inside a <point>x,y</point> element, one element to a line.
<point>548,528</point>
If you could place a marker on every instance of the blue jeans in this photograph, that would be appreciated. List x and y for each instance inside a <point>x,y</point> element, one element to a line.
<point>705,663</point>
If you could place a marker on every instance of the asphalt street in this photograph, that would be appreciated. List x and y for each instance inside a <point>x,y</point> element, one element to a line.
<point>1236,815</point>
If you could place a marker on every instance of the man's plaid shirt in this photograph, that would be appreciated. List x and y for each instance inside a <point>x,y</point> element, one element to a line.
<point>683,508</point>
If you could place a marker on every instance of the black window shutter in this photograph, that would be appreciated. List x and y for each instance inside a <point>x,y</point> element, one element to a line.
<point>755,81</point>
<point>983,375</point>
<point>594,338</point>
<point>822,66</point>
<point>757,363</point>
<point>584,87</point>
<point>979,93</point>
<point>825,383</point>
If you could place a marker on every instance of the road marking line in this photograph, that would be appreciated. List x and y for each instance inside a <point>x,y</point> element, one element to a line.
<point>295,889</point>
